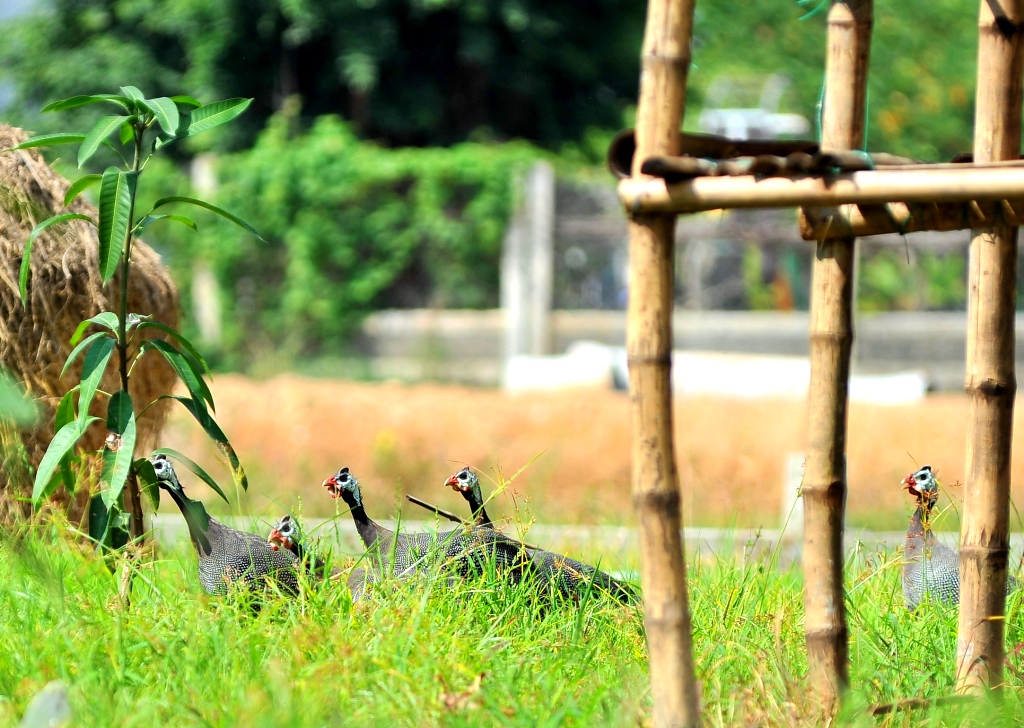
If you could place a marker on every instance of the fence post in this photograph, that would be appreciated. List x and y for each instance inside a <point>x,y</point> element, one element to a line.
<point>665,62</point>
<point>527,264</point>
<point>824,486</point>
<point>991,383</point>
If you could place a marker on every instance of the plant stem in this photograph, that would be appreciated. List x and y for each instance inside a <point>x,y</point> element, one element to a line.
<point>136,530</point>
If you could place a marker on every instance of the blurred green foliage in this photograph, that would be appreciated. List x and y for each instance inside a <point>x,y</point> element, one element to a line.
<point>353,227</point>
<point>441,71</point>
<point>930,281</point>
<point>404,71</point>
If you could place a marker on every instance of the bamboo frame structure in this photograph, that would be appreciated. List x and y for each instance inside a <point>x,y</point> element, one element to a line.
<point>665,62</point>
<point>820,223</point>
<point>831,333</point>
<point>960,183</point>
<point>990,382</point>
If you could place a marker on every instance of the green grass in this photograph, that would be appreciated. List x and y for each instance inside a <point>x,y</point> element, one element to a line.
<point>411,654</point>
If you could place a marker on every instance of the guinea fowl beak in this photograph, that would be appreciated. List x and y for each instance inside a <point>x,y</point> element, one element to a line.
<point>908,484</point>
<point>332,486</point>
<point>453,482</point>
<point>275,539</point>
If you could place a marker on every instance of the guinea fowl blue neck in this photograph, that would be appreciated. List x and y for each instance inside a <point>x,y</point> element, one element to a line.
<point>922,485</point>
<point>194,512</point>
<point>345,486</point>
<point>466,482</point>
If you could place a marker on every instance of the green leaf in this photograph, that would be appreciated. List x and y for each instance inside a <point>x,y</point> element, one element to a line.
<point>93,366</point>
<point>220,112</point>
<point>213,431</point>
<point>121,434</point>
<point>187,101</point>
<point>49,140</point>
<point>97,135</point>
<point>79,185</point>
<point>82,347</point>
<point>117,190</point>
<point>99,518</point>
<point>147,480</point>
<point>27,255</point>
<point>127,132</point>
<point>76,101</point>
<point>59,446</point>
<point>166,113</point>
<point>133,93</point>
<point>212,208</point>
<point>190,372</point>
<point>106,319</point>
<point>150,219</point>
<point>65,413</point>
<point>182,341</point>
<point>194,467</point>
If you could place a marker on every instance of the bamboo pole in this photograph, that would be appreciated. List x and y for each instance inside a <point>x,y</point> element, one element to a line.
<point>819,223</point>
<point>990,382</point>
<point>824,484</point>
<point>962,184</point>
<point>665,62</point>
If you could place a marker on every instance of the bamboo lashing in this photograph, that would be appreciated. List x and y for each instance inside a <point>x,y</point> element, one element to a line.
<point>665,62</point>
<point>990,382</point>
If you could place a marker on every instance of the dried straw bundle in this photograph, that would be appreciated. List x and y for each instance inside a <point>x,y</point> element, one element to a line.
<point>64,289</point>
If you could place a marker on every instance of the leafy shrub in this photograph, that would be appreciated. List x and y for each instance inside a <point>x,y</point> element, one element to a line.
<point>353,227</point>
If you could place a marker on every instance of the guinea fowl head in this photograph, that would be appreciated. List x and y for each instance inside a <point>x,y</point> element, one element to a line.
<point>196,517</point>
<point>166,478</point>
<point>344,485</point>
<point>466,482</point>
<point>285,535</point>
<point>923,485</point>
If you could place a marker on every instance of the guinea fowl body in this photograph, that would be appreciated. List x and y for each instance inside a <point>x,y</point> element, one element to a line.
<point>930,568</point>
<point>226,556</point>
<point>461,551</point>
<point>569,576</point>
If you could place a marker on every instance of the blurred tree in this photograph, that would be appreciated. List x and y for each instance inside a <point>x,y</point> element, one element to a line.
<point>407,72</point>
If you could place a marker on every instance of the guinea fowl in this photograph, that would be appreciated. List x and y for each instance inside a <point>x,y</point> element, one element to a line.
<point>287,534</point>
<point>226,556</point>
<point>567,575</point>
<point>930,567</point>
<point>462,550</point>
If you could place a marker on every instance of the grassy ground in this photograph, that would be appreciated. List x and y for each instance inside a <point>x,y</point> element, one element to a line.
<point>434,654</point>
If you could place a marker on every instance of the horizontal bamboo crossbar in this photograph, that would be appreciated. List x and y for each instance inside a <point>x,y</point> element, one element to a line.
<point>824,223</point>
<point>972,182</point>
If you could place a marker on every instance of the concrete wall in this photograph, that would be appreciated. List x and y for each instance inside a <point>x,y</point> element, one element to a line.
<point>467,346</point>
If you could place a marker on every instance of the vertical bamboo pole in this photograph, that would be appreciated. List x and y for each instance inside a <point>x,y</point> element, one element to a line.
<point>824,486</point>
<point>990,383</point>
<point>665,62</point>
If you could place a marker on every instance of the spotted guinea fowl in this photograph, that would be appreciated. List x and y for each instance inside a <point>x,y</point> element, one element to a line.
<point>930,567</point>
<point>461,551</point>
<point>569,576</point>
<point>286,534</point>
<point>226,556</point>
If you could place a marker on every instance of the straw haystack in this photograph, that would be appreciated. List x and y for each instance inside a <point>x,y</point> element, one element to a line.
<point>64,289</point>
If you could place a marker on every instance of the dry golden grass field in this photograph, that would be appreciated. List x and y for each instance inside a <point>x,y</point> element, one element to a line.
<point>572,445</point>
